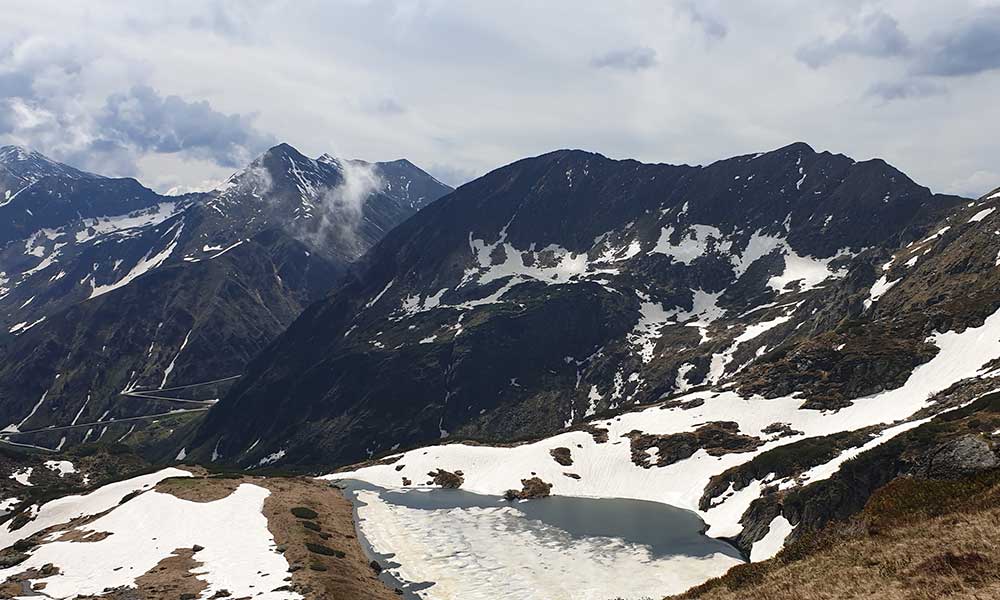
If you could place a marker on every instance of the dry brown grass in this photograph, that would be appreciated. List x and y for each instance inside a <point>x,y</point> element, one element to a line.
<point>201,489</point>
<point>172,578</point>
<point>343,573</point>
<point>916,540</point>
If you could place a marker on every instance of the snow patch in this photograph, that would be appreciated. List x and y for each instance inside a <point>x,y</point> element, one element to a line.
<point>238,549</point>
<point>979,216</point>
<point>63,467</point>
<point>777,532</point>
<point>23,476</point>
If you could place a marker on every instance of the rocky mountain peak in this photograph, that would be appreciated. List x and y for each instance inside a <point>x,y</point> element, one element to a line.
<point>30,165</point>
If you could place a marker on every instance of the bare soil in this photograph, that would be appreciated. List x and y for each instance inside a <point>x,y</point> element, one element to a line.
<point>172,578</point>
<point>344,573</point>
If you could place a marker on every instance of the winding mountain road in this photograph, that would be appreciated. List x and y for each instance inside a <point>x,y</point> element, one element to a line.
<point>150,394</point>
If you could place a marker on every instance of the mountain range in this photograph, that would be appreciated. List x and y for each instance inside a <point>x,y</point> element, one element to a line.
<point>109,287</point>
<point>771,340</point>
<point>570,285</point>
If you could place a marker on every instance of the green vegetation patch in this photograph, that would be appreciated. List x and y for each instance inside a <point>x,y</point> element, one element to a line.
<point>311,525</point>
<point>324,550</point>
<point>302,512</point>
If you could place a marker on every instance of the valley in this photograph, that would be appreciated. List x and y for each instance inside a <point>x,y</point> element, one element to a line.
<point>449,300</point>
<point>573,377</point>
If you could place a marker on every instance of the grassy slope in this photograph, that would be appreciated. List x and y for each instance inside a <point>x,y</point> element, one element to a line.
<point>916,539</point>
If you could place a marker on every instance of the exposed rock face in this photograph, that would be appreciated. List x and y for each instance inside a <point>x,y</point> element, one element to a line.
<point>530,488</point>
<point>447,479</point>
<point>783,462</point>
<point>599,434</point>
<point>944,449</point>
<point>562,456</point>
<point>683,404</point>
<point>877,359</point>
<point>966,455</point>
<point>780,430</point>
<point>717,438</point>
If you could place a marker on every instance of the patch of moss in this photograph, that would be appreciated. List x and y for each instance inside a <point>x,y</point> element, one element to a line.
<point>302,512</point>
<point>324,550</point>
<point>311,525</point>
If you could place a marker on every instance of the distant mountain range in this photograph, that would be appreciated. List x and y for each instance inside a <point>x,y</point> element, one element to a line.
<point>108,286</point>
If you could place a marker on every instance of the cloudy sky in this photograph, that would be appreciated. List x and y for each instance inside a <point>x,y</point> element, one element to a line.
<point>183,93</point>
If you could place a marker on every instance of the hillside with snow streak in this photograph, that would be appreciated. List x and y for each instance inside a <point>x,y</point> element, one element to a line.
<point>645,455</point>
<point>564,286</point>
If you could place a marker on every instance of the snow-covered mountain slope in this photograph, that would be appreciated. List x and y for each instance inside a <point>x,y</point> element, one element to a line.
<point>112,291</point>
<point>92,568</point>
<point>832,427</point>
<point>182,533</point>
<point>680,452</point>
<point>567,285</point>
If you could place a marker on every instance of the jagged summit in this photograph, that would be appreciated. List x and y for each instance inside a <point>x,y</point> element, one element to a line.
<point>303,185</point>
<point>30,165</point>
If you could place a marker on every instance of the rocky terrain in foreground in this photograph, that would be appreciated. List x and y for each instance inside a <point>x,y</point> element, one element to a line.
<point>916,538</point>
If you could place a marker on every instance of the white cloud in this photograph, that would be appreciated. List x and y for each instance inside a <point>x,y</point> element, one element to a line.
<point>475,85</point>
<point>976,184</point>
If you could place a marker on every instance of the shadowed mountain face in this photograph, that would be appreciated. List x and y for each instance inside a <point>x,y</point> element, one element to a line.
<point>109,286</point>
<point>566,285</point>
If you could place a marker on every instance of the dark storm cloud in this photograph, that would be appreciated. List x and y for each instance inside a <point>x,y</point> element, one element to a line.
<point>877,35</point>
<point>627,59</point>
<point>15,84</point>
<point>143,119</point>
<point>711,25</point>
<point>971,46</point>
<point>907,88</point>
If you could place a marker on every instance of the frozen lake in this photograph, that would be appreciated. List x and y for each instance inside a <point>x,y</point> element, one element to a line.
<point>444,544</point>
